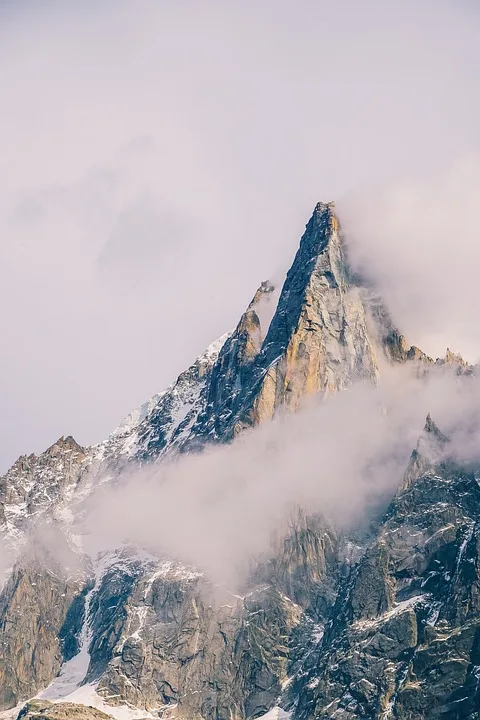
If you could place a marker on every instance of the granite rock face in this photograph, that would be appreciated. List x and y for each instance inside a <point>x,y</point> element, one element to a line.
<point>185,645</point>
<point>317,341</point>
<point>402,639</point>
<point>40,618</point>
<point>162,636</point>
<point>35,485</point>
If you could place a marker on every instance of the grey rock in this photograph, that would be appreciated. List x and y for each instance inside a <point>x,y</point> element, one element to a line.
<point>36,623</point>
<point>402,641</point>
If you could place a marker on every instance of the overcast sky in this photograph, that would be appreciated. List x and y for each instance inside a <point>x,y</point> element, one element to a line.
<point>159,159</point>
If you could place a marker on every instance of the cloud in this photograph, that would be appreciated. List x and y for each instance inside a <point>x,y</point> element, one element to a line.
<point>159,161</point>
<point>418,241</point>
<point>343,459</point>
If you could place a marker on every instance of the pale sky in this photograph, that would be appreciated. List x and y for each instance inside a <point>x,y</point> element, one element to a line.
<point>159,159</point>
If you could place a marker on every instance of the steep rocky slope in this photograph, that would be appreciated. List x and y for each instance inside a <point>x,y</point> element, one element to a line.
<point>316,342</point>
<point>403,637</point>
<point>334,623</point>
<point>40,618</point>
<point>37,485</point>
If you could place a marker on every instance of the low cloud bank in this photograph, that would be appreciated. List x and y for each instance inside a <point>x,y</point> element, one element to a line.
<point>343,458</point>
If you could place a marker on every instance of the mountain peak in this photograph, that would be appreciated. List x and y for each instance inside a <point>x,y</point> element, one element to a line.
<point>325,212</point>
<point>430,449</point>
<point>322,228</point>
<point>431,428</point>
<point>64,444</point>
<point>316,342</point>
<point>322,207</point>
<point>454,359</point>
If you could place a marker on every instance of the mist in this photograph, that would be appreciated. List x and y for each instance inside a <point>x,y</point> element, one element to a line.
<point>342,459</point>
<point>417,240</point>
<point>159,160</point>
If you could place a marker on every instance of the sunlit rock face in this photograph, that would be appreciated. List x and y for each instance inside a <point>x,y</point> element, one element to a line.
<point>316,342</point>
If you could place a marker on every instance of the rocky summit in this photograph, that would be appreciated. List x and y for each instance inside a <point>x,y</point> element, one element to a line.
<point>377,621</point>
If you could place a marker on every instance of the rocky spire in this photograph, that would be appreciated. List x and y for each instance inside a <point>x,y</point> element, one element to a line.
<point>317,340</point>
<point>430,449</point>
